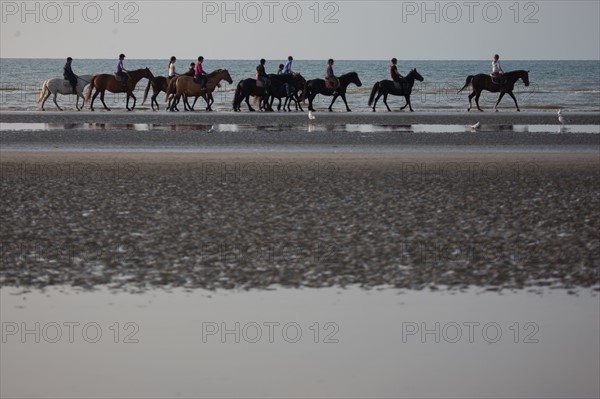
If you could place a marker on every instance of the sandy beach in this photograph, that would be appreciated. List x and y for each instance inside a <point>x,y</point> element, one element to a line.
<point>146,226</point>
<point>139,220</point>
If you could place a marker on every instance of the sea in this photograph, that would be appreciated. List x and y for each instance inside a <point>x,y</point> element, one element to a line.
<point>567,85</point>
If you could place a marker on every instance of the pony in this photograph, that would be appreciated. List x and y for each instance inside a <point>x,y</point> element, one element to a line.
<point>185,86</point>
<point>483,81</point>
<point>386,87</point>
<point>63,86</point>
<point>247,88</point>
<point>108,82</point>
<point>162,83</point>
<point>318,86</point>
<point>278,90</point>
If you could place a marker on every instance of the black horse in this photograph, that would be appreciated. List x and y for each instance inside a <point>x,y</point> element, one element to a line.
<point>484,82</point>
<point>317,86</point>
<point>247,88</point>
<point>295,83</point>
<point>385,87</point>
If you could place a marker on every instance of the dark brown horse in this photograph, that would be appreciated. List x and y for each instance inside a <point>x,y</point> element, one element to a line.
<point>286,86</point>
<point>318,86</point>
<point>484,82</point>
<point>247,88</point>
<point>385,87</point>
<point>160,83</point>
<point>108,82</point>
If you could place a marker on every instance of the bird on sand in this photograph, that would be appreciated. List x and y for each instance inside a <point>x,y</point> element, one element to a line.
<point>561,119</point>
<point>476,126</point>
<point>311,116</point>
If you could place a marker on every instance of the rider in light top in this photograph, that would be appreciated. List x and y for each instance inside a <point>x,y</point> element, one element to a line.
<point>199,72</point>
<point>497,71</point>
<point>121,71</point>
<point>396,77</point>
<point>288,65</point>
<point>69,75</point>
<point>171,67</point>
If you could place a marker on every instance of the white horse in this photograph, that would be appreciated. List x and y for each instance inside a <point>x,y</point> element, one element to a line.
<point>63,86</point>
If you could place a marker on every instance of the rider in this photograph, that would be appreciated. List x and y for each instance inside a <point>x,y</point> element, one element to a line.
<point>396,77</point>
<point>280,70</point>
<point>287,69</point>
<point>69,75</point>
<point>171,67</point>
<point>330,76</point>
<point>121,71</point>
<point>497,71</point>
<point>261,74</point>
<point>199,73</point>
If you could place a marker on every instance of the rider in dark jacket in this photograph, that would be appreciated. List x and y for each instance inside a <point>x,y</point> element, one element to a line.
<point>69,75</point>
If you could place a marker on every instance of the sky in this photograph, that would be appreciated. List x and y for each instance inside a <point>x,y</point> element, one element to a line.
<point>342,29</point>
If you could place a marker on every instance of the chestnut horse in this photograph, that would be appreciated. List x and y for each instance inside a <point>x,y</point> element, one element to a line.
<point>185,86</point>
<point>108,82</point>
<point>484,82</point>
<point>161,83</point>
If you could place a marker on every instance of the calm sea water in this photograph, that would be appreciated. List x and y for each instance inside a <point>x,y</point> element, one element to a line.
<point>571,85</point>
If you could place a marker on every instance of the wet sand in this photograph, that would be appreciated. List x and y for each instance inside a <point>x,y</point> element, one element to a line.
<point>134,221</point>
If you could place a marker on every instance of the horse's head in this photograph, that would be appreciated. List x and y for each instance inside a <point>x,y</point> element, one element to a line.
<point>414,74</point>
<point>355,79</point>
<point>148,74</point>
<point>227,76</point>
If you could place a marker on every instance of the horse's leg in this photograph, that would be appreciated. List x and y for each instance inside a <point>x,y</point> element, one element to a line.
<point>343,95</point>
<point>93,98</point>
<point>298,105</point>
<point>248,102</point>
<point>77,101</point>
<point>310,101</point>
<point>408,103</point>
<point>55,103</point>
<point>134,100</point>
<point>376,99</point>
<point>153,101</point>
<point>477,101</point>
<point>335,96</point>
<point>470,98</point>
<point>48,93</point>
<point>498,102</point>
<point>510,93</point>
<point>385,96</point>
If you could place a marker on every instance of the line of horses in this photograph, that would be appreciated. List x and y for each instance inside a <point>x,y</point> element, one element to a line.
<point>289,87</point>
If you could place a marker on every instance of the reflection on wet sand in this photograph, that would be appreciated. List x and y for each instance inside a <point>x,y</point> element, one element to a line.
<point>309,127</point>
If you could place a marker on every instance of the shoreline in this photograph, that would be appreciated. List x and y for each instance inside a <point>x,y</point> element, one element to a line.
<point>201,117</point>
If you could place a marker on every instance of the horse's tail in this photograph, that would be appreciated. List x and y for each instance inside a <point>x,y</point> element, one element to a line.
<point>467,82</point>
<point>43,91</point>
<point>237,96</point>
<point>146,91</point>
<point>90,88</point>
<point>373,92</point>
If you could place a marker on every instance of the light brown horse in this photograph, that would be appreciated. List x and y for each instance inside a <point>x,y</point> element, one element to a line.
<point>186,86</point>
<point>108,82</point>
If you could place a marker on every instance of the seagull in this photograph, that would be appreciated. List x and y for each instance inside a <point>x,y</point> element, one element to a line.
<point>561,118</point>
<point>212,129</point>
<point>311,116</point>
<point>476,126</point>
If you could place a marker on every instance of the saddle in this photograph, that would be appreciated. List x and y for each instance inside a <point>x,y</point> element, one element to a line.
<point>117,77</point>
<point>397,85</point>
<point>498,80</point>
<point>261,83</point>
<point>332,83</point>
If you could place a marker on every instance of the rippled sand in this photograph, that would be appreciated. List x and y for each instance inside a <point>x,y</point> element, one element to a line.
<point>134,221</point>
